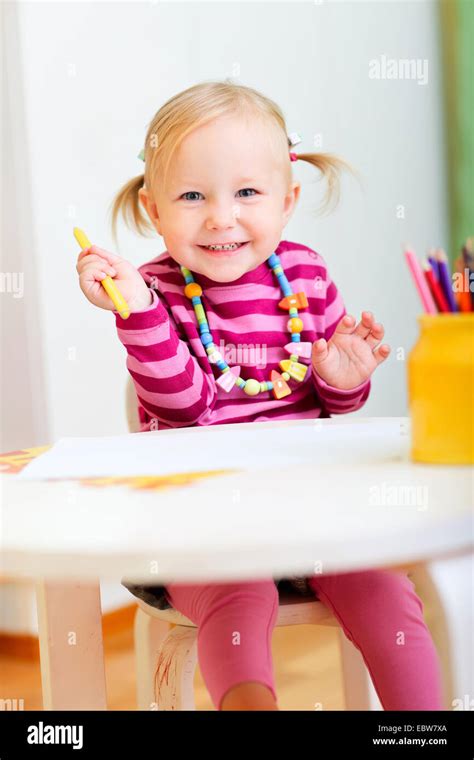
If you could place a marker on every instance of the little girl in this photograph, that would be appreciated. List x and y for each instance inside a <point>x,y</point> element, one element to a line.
<point>233,324</point>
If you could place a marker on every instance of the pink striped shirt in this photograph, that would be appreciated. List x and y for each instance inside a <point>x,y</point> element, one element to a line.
<point>173,377</point>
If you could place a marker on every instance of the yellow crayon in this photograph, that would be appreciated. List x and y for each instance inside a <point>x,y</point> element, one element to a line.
<point>108,284</point>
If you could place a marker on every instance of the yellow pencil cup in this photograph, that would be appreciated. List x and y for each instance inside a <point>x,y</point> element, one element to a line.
<point>441,389</point>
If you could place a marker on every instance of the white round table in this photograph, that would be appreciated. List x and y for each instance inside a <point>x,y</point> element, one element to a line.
<point>363,504</point>
<point>359,504</point>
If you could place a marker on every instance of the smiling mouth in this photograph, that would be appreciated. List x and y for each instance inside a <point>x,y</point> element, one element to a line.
<point>223,247</point>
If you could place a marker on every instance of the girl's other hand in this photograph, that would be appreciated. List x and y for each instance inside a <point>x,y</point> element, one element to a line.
<point>351,355</point>
<point>94,263</point>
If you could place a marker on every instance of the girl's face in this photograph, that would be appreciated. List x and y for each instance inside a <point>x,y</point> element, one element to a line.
<point>227,183</point>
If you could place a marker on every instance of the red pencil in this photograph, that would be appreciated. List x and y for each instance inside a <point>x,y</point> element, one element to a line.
<point>434,286</point>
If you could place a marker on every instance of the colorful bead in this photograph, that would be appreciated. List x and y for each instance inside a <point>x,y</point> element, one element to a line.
<point>285,375</point>
<point>228,379</point>
<point>200,313</point>
<point>273,260</point>
<point>297,300</point>
<point>280,388</point>
<point>296,370</point>
<point>193,290</point>
<point>215,357</point>
<point>295,325</point>
<point>252,387</point>
<point>302,350</point>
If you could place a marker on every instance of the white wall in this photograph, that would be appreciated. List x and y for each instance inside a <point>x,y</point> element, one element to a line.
<point>85,80</point>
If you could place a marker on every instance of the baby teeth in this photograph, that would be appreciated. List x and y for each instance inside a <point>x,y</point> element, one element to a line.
<point>229,247</point>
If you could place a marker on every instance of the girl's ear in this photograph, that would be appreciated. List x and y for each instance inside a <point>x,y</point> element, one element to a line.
<point>291,199</point>
<point>150,207</point>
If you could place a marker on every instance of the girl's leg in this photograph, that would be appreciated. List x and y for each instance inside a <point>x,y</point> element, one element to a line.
<point>382,615</point>
<point>235,623</point>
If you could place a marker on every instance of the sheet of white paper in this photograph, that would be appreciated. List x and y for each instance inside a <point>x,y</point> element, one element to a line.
<point>215,448</point>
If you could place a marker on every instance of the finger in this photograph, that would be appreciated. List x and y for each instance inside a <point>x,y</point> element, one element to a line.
<point>85,258</point>
<point>375,336</point>
<point>94,257</point>
<point>98,261</point>
<point>381,353</point>
<point>345,325</point>
<point>365,325</point>
<point>96,276</point>
<point>93,271</point>
<point>94,251</point>
<point>319,351</point>
<point>93,275</point>
<point>88,272</point>
<point>112,258</point>
<point>82,255</point>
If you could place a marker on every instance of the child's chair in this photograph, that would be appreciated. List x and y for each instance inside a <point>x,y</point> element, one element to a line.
<point>166,656</point>
<point>166,640</point>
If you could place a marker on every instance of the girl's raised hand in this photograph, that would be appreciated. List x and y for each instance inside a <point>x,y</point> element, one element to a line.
<point>94,263</point>
<point>351,355</point>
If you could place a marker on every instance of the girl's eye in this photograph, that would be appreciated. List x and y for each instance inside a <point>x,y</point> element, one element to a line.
<point>190,192</point>
<point>249,193</point>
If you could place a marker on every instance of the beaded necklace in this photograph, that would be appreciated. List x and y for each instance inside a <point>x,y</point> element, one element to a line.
<point>297,349</point>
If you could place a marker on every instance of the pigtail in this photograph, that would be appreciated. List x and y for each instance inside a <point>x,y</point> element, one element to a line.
<point>127,203</point>
<point>331,167</point>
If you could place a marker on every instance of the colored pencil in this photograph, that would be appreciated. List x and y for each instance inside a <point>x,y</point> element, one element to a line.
<point>434,286</point>
<point>445,278</point>
<point>107,283</point>
<point>420,283</point>
<point>433,262</point>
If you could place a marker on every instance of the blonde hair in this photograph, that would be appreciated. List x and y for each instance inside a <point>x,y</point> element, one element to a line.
<point>192,108</point>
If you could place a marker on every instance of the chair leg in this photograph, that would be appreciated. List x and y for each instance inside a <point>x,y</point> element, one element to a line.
<point>359,692</point>
<point>149,634</point>
<point>446,587</point>
<point>174,678</point>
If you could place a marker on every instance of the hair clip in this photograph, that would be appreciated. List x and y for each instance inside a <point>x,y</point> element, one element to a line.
<point>294,139</point>
<point>141,154</point>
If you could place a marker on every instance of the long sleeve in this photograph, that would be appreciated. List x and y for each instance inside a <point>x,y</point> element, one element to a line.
<point>170,385</point>
<point>335,400</point>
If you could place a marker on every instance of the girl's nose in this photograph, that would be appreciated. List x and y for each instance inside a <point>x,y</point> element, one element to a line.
<point>222,216</point>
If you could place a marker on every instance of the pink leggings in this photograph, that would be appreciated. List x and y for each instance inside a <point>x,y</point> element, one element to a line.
<point>378,611</point>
